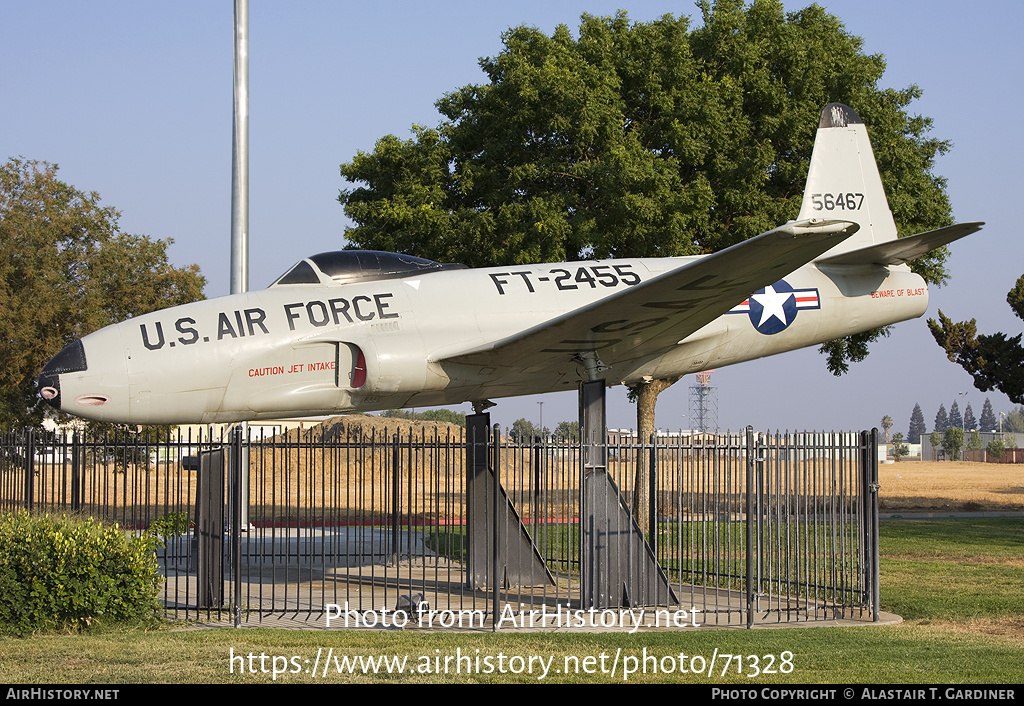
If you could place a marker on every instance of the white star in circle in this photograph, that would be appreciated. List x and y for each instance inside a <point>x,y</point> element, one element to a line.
<point>771,303</point>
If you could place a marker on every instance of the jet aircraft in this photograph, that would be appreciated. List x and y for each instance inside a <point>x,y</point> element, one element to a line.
<point>361,331</point>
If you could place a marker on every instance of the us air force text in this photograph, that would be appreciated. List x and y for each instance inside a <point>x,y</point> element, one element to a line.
<point>252,322</point>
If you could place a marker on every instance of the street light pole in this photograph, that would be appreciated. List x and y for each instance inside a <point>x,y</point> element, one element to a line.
<point>240,154</point>
<point>240,200</point>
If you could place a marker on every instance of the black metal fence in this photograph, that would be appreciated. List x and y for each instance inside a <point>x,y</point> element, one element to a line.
<point>346,526</point>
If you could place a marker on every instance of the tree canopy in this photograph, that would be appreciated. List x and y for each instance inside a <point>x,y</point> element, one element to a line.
<point>969,421</point>
<point>899,449</point>
<point>955,418</point>
<point>66,269</point>
<point>524,431</point>
<point>996,362</point>
<point>887,427</point>
<point>917,425</point>
<point>567,431</point>
<point>428,415</point>
<point>988,417</point>
<point>952,442</point>
<point>642,139</point>
<point>1014,421</point>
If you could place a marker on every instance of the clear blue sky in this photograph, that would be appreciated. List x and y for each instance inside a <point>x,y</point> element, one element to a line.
<point>133,100</point>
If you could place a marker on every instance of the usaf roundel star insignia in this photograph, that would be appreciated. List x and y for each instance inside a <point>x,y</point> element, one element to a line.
<point>773,308</point>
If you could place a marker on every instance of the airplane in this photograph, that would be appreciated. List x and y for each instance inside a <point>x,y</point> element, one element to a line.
<point>359,331</point>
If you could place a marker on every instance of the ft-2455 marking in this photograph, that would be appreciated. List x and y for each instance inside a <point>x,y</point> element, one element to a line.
<point>567,279</point>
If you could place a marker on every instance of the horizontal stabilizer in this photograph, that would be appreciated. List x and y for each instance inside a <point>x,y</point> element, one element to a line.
<point>652,317</point>
<point>897,252</point>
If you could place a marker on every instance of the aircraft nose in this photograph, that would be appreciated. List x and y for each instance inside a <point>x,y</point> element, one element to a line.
<point>69,360</point>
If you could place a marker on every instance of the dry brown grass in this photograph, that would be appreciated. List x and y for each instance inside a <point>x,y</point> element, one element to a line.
<point>332,467</point>
<point>909,486</point>
<point>1011,628</point>
<point>951,486</point>
<point>356,482</point>
<point>289,479</point>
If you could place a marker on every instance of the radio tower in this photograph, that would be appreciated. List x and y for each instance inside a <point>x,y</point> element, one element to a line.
<point>704,404</point>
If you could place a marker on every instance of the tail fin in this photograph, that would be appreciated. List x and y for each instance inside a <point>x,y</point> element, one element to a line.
<point>843,181</point>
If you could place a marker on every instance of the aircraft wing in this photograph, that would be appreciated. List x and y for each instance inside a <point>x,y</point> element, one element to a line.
<point>897,252</point>
<point>652,317</point>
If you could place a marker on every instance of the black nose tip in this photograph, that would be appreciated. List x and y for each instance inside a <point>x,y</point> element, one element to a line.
<point>69,360</point>
<point>48,388</point>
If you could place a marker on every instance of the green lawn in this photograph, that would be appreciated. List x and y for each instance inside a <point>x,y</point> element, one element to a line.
<point>958,583</point>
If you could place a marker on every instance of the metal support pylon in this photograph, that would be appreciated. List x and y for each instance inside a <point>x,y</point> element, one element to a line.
<point>514,555</point>
<point>617,564</point>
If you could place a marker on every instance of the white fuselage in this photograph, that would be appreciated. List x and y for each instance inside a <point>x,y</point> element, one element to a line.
<point>312,349</point>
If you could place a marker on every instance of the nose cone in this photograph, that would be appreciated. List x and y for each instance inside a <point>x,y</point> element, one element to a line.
<point>89,378</point>
<point>69,360</point>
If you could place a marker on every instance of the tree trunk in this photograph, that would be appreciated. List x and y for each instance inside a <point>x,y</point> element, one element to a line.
<point>646,394</point>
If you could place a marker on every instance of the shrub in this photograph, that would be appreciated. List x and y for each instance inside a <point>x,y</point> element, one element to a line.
<point>173,524</point>
<point>974,441</point>
<point>59,573</point>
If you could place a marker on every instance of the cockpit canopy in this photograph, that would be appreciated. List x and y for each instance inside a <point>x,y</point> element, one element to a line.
<point>345,266</point>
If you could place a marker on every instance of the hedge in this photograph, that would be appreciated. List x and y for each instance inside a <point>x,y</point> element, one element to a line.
<point>65,572</point>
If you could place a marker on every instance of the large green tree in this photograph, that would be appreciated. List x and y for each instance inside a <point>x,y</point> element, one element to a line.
<point>642,139</point>
<point>66,269</point>
<point>969,421</point>
<point>996,361</point>
<point>952,442</point>
<point>567,431</point>
<point>917,425</point>
<point>955,418</point>
<point>988,417</point>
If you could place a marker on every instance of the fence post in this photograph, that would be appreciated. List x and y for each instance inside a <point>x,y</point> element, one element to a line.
<point>537,466</point>
<point>495,557</point>
<point>749,553</point>
<point>30,466</point>
<point>652,496</point>
<point>865,514</point>
<point>873,487</point>
<point>236,514</point>
<point>76,471</point>
<point>396,494</point>
<point>869,530</point>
